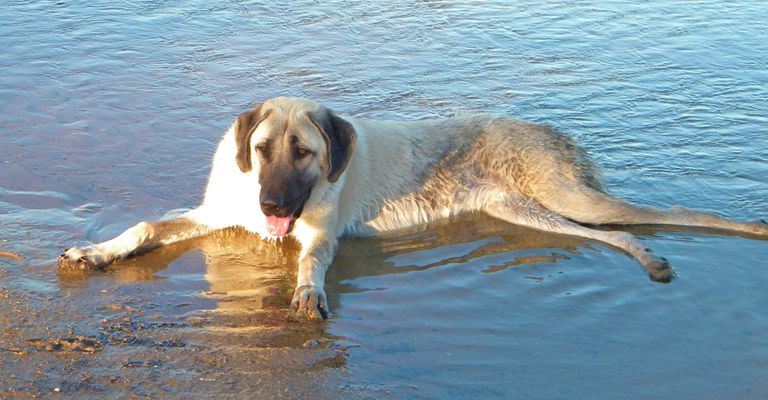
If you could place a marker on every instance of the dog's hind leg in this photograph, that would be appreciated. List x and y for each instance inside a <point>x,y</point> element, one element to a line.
<point>589,206</point>
<point>142,237</point>
<point>526,212</point>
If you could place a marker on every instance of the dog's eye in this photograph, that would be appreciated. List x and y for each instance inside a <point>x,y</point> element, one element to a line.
<point>301,153</point>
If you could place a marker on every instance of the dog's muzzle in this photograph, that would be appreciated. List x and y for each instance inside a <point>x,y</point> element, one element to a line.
<point>281,214</point>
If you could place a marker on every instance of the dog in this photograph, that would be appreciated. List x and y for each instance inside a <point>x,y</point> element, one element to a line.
<point>292,167</point>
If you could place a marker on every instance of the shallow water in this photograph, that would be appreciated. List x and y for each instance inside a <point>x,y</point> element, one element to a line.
<point>110,111</point>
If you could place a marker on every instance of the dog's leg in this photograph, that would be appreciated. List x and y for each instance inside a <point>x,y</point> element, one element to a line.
<point>593,207</point>
<point>526,212</point>
<point>142,237</point>
<point>317,252</point>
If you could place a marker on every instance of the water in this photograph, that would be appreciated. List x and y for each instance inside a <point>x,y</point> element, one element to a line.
<point>110,111</point>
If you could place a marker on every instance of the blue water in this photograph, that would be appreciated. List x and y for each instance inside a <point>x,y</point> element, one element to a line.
<point>110,111</point>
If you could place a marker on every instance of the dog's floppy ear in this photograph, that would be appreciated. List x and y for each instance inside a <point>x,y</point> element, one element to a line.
<point>245,124</point>
<point>339,136</point>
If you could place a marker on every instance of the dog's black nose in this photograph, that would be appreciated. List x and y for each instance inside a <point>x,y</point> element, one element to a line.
<point>273,205</point>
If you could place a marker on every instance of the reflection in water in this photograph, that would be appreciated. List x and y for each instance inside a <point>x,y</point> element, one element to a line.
<point>238,271</point>
<point>479,240</point>
<point>252,279</point>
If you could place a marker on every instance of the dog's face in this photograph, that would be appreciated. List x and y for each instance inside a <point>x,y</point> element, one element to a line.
<point>292,144</point>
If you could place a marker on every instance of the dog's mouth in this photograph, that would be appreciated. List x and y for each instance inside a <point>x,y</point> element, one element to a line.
<point>281,226</point>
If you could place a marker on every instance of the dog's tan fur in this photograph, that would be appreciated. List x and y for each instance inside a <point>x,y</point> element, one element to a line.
<point>396,174</point>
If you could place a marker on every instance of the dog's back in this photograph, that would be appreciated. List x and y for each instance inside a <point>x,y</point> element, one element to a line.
<point>414,172</point>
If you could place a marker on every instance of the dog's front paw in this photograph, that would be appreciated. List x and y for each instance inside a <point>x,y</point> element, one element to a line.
<point>659,270</point>
<point>309,301</point>
<point>82,259</point>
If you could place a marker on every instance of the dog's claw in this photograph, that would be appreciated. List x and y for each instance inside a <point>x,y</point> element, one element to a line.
<point>309,302</point>
<point>81,259</point>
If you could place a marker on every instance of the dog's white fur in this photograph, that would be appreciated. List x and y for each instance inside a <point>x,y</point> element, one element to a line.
<point>406,173</point>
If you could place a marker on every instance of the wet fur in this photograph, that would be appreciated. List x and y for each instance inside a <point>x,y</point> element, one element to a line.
<point>375,176</point>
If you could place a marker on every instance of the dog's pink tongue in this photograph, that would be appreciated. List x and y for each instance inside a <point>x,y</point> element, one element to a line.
<point>277,226</point>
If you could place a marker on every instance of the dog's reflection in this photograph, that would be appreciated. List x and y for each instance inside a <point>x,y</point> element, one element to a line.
<point>241,272</point>
<point>464,239</point>
<point>246,275</point>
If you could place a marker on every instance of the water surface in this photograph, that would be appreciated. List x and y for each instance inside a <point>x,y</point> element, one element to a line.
<point>110,112</point>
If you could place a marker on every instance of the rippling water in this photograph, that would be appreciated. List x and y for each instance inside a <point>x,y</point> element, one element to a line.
<point>110,111</point>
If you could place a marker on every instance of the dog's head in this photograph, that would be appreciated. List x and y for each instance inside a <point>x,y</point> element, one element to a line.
<point>292,144</point>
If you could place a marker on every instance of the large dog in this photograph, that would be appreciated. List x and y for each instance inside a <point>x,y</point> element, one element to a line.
<point>292,167</point>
